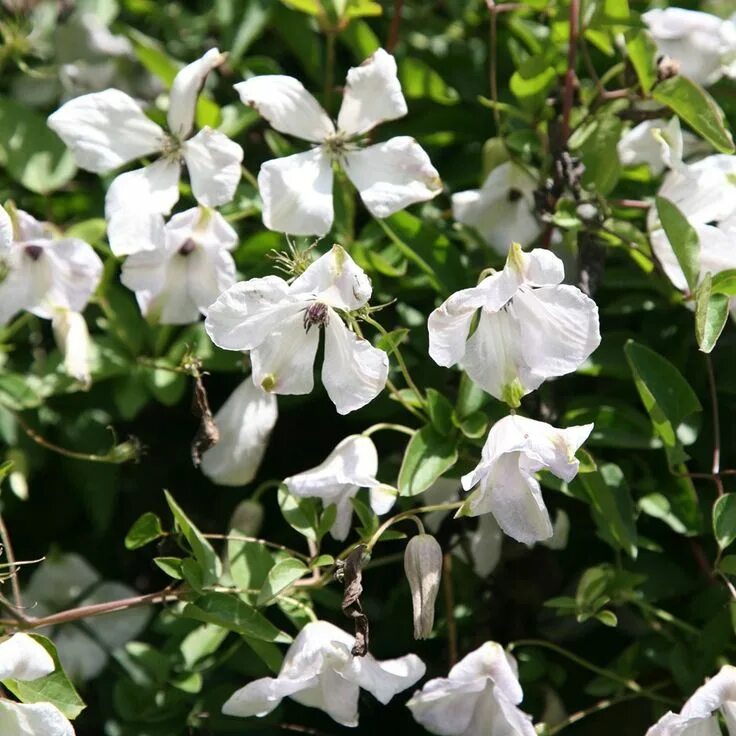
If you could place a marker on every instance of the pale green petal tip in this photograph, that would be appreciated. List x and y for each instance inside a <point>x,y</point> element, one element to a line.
<point>268,383</point>
<point>515,258</point>
<point>513,393</point>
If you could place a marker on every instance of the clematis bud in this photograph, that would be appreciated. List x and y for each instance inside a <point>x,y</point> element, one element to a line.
<point>247,517</point>
<point>72,337</point>
<point>423,567</point>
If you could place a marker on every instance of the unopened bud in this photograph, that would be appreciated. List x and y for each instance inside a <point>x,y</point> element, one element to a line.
<point>72,337</point>
<point>423,566</point>
<point>247,518</point>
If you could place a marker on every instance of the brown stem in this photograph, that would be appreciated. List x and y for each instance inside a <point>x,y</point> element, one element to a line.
<point>449,597</point>
<point>5,536</point>
<point>633,203</point>
<point>393,31</point>
<point>572,50</point>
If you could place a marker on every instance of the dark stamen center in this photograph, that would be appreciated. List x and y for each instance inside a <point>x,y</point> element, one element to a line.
<point>317,314</point>
<point>187,247</point>
<point>514,195</point>
<point>34,251</point>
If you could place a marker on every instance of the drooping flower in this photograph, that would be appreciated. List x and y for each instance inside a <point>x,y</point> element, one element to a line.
<point>72,337</point>
<point>280,324</point>
<point>705,193</point>
<point>245,422</point>
<point>352,465</point>
<point>531,327</point>
<point>480,696</point>
<point>66,581</point>
<point>704,45</point>
<point>187,268</point>
<point>515,449</point>
<point>502,210</point>
<point>699,715</point>
<point>42,273</point>
<point>297,190</point>
<point>423,568</point>
<point>106,130</point>
<point>23,658</point>
<point>319,671</point>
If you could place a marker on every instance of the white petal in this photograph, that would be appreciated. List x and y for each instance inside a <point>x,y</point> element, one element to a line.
<point>493,358</point>
<point>289,108</point>
<point>343,514</point>
<point>560,533</point>
<point>486,545</point>
<point>205,226</point>
<point>105,130</point>
<point>260,697</point>
<point>75,271</point>
<point>559,329</point>
<point>245,422</point>
<point>372,95</point>
<point>354,462</point>
<point>490,660</point>
<point>72,337</point>
<point>538,267</point>
<point>24,285</point>
<point>29,228</point>
<point>389,677</point>
<point>502,211</point>
<point>213,162</point>
<point>673,724</point>
<point>446,707</point>
<point>185,89</point>
<point>317,641</point>
<point>711,696</point>
<point>382,498</point>
<point>335,279</point>
<point>297,193</point>
<point>449,324</point>
<point>353,372</point>
<point>514,498</point>
<point>392,175</point>
<point>210,271</point>
<point>6,230</point>
<point>245,314</point>
<point>129,234</point>
<point>23,658</point>
<point>33,719</point>
<point>284,362</point>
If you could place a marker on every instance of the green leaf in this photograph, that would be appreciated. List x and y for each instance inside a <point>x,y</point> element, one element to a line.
<point>144,530</point>
<point>683,239</point>
<point>310,7</point>
<point>531,82</point>
<point>724,283</point>
<point>16,393</point>
<point>280,576</point>
<point>249,563</point>
<point>724,520</point>
<point>711,313</point>
<point>55,688</point>
<point>207,560</point>
<point>610,497</point>
<point>232,613</point>
<point>666,395</point>
<point>300,513</point>
<point>419,80</point>
<point>597,147</point>
<point>440,412</point>
<point>30,151</point>
<point>171,566</point>
<point>643,56</point>
<point>697,108</point>
<point>428,455</point>
<point>608,618</point>
<point>727,565</point>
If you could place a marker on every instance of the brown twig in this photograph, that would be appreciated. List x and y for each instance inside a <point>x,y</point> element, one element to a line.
<point>449,598</point>
<point>393,31</point>
<point>8,545</point>
<point>572,51</point>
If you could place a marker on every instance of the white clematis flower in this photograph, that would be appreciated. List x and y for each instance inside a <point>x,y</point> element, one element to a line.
<point>352,465</point>
<point>188,267</point>
<point>531,327</point>
<point>515,449</point>
<point>502,210</point>
<point>479,697</point>
<point>245,422</point>
<point>297,190</point>
<point>41,273</point>
<point>319,671</point>
<point>280,324</point>
<point>65,581</point>
<point>23,658</point>
<point>699,715</point>
<point>72,337</point>
<point>105,130</point>
<point>705,193</point>
<point>703,44</point>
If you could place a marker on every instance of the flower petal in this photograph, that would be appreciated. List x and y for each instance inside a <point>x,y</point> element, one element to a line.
<point>389,677</point>
<point>297,193</point>
<point>245,422</point>
<point>23,658</point>
<point>72,337</point>
<point>33,719</point>
<point>343,514</point>
<point>260,697</point>
<point>205,226</point>
<point>185,89</point>
<point>382,498</point>
<point>502,211</point>
<point>287,106</point>
<point>490,660</point>
<point>709,697</point>
<point>106,129</point>
<point>336,696</point>
<point>392,175</point>
<point>284,362</point>
<point>6,230</point>
<point>559,329</point>
<point>245,314</point>
<point>213,162</point>
<point>446,707</point>
<point>353,372</point>
<point>335,279</point>
<point>372,95</point>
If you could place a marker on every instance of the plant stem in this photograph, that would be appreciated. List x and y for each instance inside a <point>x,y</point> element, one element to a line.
<point>448,594</point>
<point>569,88</point>
<point>8,545</point>
<point>716,468</point>
<point>388,425</point>
<point>393,31</point>
<point>329,67</point>
<point>492,62</point>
